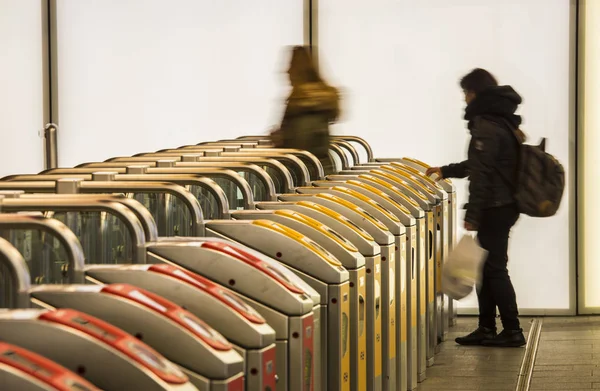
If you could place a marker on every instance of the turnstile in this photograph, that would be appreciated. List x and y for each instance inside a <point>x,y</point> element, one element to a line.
<point>442,224</point>
<point>432,202</point>
<point>351,259</point>
<point>239,193</point>
<point>138,312</point>
<point>23,370</point>
<point>439,200</point>
<point>183,250</point>
<point>375,283</point>
<point>449,187</point>
<point>405,277</point>
<point>416,277</point>
<point>290,306</point>
<point>105,355</point>
<point>216,305</point>
<point>366,246</point>
<point>390,269</point>
<point>317,267</point>
<point>174,332</point>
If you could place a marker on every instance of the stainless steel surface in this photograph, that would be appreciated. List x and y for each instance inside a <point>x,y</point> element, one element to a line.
<point>377,230</point>
<point>278,295</point>
<point>51,145</point>
<point>41,331</point>
<point>96,204</point>
<point>390,254</point>
<point>74,269</point>
<point>337,245</point>
<point>148,317</point>
<point>313,263</point>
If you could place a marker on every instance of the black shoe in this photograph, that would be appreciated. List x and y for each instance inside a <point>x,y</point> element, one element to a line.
<point>507,339</point>
<point>477,337</point>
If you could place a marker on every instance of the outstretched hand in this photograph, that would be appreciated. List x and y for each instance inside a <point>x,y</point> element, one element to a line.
<point>435,171</point>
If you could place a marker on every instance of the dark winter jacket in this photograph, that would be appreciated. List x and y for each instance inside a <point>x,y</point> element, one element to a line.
<point>311,107</point>
<point>493,151</point>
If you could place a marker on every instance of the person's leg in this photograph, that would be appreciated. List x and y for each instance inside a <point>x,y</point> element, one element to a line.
<point>496,273</point>
<point>485,298</point>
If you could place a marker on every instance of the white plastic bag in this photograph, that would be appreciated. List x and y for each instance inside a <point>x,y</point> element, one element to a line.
<point>462,270</point>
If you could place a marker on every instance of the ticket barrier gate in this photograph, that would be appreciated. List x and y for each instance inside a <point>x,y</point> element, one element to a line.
<point>24,370</point>
<point>417,339</point>
<point>312,163</point>
<point>189,252</point>
<point>91,341</point>
<point>290,306</point>
<point>366,246</point>
<point>243,327</point>
<point>447,185</point>
<point>438,205</point>
<point>174,209</point>
<point>390,274</point>
<point>378,287</point>
<point>418,194</point>
<point>351,259</point>
<point>441,226</point>
<point>441,222</point>
<point>239,194</point>
<point>96,347</point>
<point>405,273</point>
<point>296,166</point>
<point>314,169</point>
<point>261,183</point>
<point>138,312</point>
<point>318,268</point>
<point>280,174</point>
<point>450,189</point>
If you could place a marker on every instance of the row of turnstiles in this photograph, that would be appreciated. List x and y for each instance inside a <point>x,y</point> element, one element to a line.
<point>225,266</point>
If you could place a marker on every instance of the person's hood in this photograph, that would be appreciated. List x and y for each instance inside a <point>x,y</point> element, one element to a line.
<point>501,101</point>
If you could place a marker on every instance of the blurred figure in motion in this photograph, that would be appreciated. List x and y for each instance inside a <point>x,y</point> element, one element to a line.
<point>311,107</point>
<point>491,166</point>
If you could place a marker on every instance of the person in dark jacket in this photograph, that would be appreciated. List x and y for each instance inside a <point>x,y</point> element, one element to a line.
<point>311,107</point>
<point>491,167</point>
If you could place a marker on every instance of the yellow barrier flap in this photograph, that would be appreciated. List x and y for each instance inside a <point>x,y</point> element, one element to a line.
<point>342,219</point>
<point>390,187</point>
<point>366,215</point>
<point>330,233</point>
<point>368,200</point>
<point>403,182</point>
<point>298,237</point>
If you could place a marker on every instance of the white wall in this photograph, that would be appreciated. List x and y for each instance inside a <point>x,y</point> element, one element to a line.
<point>141,75</point>
<point>400,62</point>
<point>21,87</point>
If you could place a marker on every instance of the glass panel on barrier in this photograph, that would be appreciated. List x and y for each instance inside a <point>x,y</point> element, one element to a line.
<point>45,256</point>
<point>171,215</point>
<point>104,238</point>
<point>208,202</point>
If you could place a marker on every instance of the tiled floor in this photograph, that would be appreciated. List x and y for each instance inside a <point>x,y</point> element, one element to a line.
<point>473,368</point>
<point>568,358</point>
<point>568,355</point>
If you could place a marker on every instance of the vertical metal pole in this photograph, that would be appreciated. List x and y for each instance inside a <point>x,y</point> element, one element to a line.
<point>314,30</point>
<point>306,22</point>
<point>51,146</point>
<point>50,80</point>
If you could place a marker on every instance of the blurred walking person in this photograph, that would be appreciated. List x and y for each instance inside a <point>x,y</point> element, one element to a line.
<point>311,107</point>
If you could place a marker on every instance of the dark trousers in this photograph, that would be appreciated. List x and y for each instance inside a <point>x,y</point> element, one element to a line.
<point>496,289</point>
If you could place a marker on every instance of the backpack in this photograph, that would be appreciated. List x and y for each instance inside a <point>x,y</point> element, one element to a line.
<point>540,180</point>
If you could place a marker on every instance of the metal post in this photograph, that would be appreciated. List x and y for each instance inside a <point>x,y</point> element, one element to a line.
<point>51,146</point>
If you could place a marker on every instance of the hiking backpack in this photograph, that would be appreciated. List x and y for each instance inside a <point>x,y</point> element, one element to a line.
<point>540,181</point>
